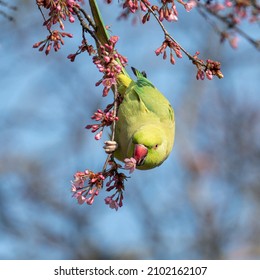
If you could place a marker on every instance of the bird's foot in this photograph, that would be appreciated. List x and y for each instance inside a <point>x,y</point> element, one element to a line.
<point>110,146</point>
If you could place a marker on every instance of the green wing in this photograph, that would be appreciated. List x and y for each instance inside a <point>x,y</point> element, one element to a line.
<point>152,98</point>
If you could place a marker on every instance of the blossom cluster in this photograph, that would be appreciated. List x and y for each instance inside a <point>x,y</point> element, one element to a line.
<point>86,192</point>
<point>110,63</point>
<point>53,40</point>
<point>210,68</point>
<point>87,185</point>
<point>85,46</point>
<point>134,5</point>
<point>59,11</point>
<point>173,46</point>
<point>105,118</point>
<point>167,10</point>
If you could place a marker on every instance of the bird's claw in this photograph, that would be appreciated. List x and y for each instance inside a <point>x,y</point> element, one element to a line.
<point>110,146</point>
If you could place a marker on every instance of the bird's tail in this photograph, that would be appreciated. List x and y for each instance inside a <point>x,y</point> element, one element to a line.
<point>102,33</point>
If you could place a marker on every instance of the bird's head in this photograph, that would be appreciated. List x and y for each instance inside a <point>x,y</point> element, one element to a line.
<point>149,147</point>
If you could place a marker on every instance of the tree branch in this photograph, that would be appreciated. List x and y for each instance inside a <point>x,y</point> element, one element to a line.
<point>228,23</point>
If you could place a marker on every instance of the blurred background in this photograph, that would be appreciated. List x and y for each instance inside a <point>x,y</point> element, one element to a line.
<point>202,203</point>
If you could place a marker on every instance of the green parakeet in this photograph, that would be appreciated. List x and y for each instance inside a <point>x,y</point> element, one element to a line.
<point>146,126</point>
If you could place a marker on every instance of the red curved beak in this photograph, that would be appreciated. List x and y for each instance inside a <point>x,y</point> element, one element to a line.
<point>140,153</point>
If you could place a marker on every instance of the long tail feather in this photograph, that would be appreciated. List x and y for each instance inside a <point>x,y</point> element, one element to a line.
<point>101,31</point>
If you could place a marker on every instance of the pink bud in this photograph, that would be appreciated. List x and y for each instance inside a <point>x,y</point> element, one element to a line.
<point>164,55</point>
<point>114,39</point>
<point>161,14</point>
<point>71,57</point>
<point>71,19</point>
<point>62,25</point>
<point>36,45</point>
<point>234,42</point>
<point>200,75</point>
<point>106,59</point>
<point>90,200</point>
<point>94,127</point>
<point>105,91</point>
<point>190,5</point>
<point>108,200</point>
<point>81,199</point>
<point>143,7</point>
<point>86,172</point>
<point>158,51</point>
<point>48,49</point>
<point>178,53</point>
<point>209,74</point>
<point>228,3</point>
<point>98,135</point>
<point>171,16</point>
<point>172,59</point>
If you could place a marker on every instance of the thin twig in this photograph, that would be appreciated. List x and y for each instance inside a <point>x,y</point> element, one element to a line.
<point>7,5</point>
<point>210,21</point>
<point>43,16</point>
<point>115,112</point>
<point>89,19</point>
<point>230,24</point>
<point>84,25</point>
<point>167,35</point>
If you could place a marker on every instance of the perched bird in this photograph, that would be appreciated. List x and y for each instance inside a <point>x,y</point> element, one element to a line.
<point>146,127</point>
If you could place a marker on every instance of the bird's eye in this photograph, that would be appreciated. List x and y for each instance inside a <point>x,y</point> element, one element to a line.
<point>156,146</point>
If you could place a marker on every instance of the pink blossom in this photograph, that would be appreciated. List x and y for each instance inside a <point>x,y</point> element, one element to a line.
<point>71,19</point>
<point>159,50</point>
<point>86,193</point>
<point>143,7</point>
<point>162,48</point>
<point>209,74</point>
<point>71,57</point>
<point>114,39</point>
<point>172,60</point>
<point>78,180</point>
<point>111,202</point>
<point>108,82</point>
<point>92,193</point>
<point>234,42</point>
<point>98,135</point>
<point>171,16</point>
<point>107,59</point>
<point>178,51</point>
<point>105,91</point>
<point>200,75</point>
<point>130,164</point>
<point>216,7</point>
<point>190,5</point>
<point>97,115</point>
<point>93,127</point>
<point>81,199</point>
<point>228,3</point>
<point>161,14</point>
